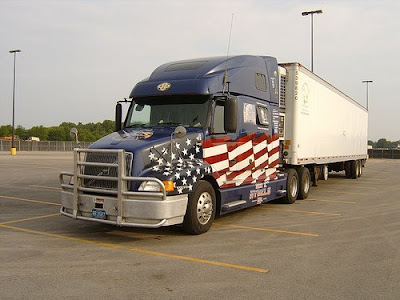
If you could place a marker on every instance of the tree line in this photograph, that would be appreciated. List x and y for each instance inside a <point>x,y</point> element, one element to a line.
<point>89,132</point>
<point>383,143</point>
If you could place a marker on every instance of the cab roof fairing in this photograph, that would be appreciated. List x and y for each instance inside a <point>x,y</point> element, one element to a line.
<point>204,76</point>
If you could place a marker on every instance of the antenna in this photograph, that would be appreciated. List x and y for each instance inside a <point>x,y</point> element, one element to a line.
<point>225,79</point>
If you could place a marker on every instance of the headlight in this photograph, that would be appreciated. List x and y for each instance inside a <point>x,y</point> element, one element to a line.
<point>149,186</point>
<point>152,186</point>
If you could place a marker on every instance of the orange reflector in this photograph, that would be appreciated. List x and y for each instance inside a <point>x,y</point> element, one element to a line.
<point>169,186</point>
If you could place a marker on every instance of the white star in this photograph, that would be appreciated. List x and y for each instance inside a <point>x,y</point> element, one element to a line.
<point>160,161</point>
<point>156,168</point>
<point>179,169</point>
<point>152,156</point>
<point>178,146</point>
<point>190,187</point>
<point>197,149</point>
<point>184,151</point>
<point>180,190</point>
<point>188,173</point>
<point>194,179</point>
<point>184,181</point>
<point>188,142</point>
<point>169,164</point>
<point>180,160</point>
<point>199,137</point>
<point>173,156</point>
<point>191,156</point>
<point>166,173</point>
<point>198,171</point>
<point>177,175</point>
<point>164,151</point>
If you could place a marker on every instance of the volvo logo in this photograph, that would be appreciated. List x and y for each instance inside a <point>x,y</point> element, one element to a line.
<point>163,86</point>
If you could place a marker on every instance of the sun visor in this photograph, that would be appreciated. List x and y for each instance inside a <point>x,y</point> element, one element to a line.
<point>171,87</point>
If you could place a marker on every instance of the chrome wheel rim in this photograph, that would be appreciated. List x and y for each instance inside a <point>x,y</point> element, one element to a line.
<point>204,208</point>
<point>306,183</point>
<point>293,186</point>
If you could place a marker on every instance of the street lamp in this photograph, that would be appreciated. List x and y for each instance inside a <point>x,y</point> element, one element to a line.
<point>13,149</point>
<point>306,13</point>
<point>367,82</point>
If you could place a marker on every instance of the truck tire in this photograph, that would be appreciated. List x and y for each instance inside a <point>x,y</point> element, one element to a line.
<point>359,168</point>
<point>353,169</point>
<point>347,169</point>
<point>304,182</point>
<point>200,212</point>
<point>292,190</point>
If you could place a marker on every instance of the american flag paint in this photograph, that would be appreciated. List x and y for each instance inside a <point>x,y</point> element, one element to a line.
<point>182,163</point>
<point>249,159</point>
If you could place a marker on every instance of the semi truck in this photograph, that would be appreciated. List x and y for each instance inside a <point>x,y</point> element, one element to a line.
<point>206,137</point>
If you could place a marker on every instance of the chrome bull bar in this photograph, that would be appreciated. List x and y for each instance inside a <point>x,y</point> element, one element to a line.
<point>73,183</point>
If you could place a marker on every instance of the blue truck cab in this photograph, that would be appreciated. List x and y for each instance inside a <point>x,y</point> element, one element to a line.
<point>200,139</point>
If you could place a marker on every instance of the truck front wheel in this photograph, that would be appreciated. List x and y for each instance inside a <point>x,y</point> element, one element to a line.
<point>292,190</point>
<point>200,212</point>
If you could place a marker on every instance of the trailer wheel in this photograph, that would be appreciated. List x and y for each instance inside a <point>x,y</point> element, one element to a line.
<point>304,182</point>
<point>200,212</point>
<point>347,169</point>
<point>324,174</point>
<point>359,168</point>
<point>292,190</point>
<point>353,169</point>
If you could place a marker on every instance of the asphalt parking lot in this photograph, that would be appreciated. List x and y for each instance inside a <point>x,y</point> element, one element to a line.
<point>341,243</point>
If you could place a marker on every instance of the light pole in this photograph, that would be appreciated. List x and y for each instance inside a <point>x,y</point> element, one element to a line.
<point>306,13</point>
<point>367,82</point>
<point>13,149</point>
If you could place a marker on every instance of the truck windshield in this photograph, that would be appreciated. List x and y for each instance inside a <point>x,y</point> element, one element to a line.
<point>188,111</point>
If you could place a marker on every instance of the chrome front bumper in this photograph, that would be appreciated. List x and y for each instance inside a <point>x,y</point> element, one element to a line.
<point>136,212</point>
<point>118,206</point>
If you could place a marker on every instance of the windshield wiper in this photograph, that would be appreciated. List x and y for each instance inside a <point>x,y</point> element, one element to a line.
<point>136,125</point>
<point>169,123</point>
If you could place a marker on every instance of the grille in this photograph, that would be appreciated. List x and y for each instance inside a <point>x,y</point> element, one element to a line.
<point>111,158</point>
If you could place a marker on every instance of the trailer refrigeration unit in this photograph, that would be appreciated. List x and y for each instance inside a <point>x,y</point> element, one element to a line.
<point>209,136</point>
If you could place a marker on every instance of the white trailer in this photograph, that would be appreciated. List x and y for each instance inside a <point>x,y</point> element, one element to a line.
<point>323,128</point>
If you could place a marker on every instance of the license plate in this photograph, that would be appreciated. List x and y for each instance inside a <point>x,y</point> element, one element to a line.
<point>99,214</point>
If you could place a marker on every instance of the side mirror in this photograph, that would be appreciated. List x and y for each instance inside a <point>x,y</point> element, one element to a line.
<point>74,134</point>
<point>118,117</point>
<point>230,114</point>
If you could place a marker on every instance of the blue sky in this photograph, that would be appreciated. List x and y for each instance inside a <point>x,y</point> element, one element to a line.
<point>79,57</point>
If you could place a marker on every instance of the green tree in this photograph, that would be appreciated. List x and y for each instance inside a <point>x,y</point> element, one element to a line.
<point>40,132</point>
<point>21,132</point>
<point>56,134</point>
<point>382,143</point>
<point>6,130</point>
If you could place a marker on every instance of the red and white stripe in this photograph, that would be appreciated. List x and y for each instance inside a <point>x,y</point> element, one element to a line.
<point>247,160</point>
